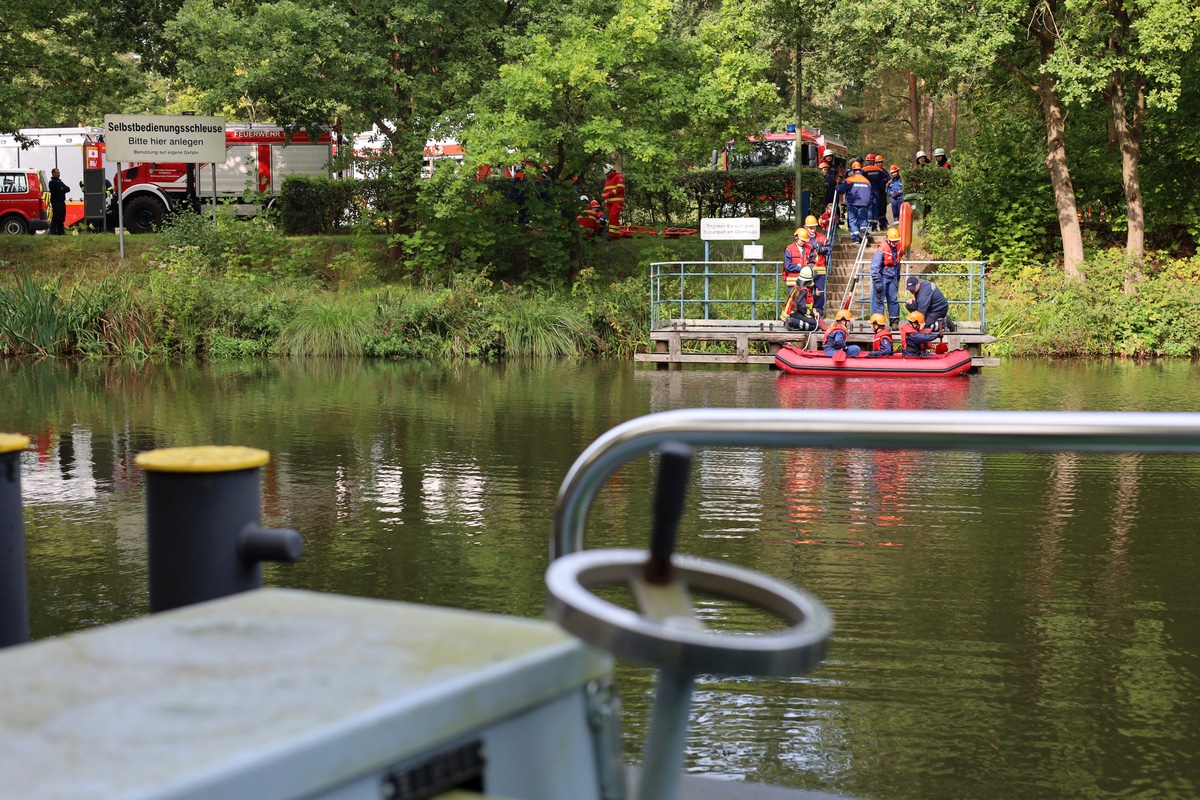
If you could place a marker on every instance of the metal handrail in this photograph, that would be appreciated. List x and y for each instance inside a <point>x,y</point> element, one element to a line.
<point>1008,431</point>
<point>976,280</point>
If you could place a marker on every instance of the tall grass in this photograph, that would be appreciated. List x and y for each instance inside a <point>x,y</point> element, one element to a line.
<point>329,326</point>
<point>541,327</point>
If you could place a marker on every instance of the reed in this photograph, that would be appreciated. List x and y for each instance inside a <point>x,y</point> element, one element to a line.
<point>541,327</point>
<point>329,326</point>
<point>34,320</point>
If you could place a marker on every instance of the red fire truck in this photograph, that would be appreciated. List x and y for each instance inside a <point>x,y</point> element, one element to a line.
<point>779,150</point>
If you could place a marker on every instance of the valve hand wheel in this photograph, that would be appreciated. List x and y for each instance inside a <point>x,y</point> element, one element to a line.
<point>687,649</point>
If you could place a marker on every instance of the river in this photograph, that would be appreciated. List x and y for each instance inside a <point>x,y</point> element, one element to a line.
<point>1016,625</point>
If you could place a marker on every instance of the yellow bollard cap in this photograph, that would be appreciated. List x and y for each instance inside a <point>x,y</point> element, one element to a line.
<point>10,442</point>
<point>205,458</point>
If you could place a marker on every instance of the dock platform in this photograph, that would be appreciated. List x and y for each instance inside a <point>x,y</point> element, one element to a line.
<point>670,343</point>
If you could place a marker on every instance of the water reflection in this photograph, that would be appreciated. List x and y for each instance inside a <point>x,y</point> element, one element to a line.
<point>1007,624</point>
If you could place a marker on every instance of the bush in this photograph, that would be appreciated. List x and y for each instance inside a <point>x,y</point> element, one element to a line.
<point>320,205</point>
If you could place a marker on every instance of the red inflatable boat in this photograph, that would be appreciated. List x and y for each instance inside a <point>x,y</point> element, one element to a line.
<point>793,360</point>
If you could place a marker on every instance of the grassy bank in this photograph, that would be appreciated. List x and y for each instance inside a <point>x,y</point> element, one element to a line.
<point>244,290</point>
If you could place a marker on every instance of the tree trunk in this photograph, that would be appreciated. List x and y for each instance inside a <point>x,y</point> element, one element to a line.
<point>1129,141</point>
<point>1060,177</point>
<point>914,112</point>
<point>927,124</point>
<point>952,138</point>
<point>798,74</point>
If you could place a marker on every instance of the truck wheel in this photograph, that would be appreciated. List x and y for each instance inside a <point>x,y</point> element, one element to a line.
<point>13,224</point>
<point>143,214</point>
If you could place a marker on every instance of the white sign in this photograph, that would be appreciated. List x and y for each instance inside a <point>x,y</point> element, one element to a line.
<point>752,252</point>
<point>140,137</point>
<point>729,229</point>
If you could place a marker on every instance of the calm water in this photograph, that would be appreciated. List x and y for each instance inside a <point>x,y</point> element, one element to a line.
<point>1008,625</point>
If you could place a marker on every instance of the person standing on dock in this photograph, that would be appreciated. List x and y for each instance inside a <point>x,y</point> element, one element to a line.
<point>819,252</point>
<point>835,336</point>
<point>928,299</point>
<point>795,256</point>
<point>885,276</point>
<point>881,343</point>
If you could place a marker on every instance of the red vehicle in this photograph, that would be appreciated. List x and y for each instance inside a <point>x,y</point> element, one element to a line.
<point>779,150</point>
<point>23,206</point>
<point>259,158</point>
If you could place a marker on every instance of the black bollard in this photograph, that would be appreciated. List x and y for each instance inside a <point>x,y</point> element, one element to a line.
<point>203,511</point>
<point>14,587</point>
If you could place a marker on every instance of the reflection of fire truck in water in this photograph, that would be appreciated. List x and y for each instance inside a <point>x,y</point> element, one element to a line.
<point>258,159</point>
<point>779,150</point>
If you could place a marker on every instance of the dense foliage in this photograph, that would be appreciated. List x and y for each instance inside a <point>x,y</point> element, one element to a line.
<point>1072,126</point>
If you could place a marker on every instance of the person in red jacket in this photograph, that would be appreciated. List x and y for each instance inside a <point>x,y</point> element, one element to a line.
<point>589,215</point>
<point>613,194</point>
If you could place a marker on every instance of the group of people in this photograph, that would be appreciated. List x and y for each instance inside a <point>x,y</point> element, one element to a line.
<point>805,268</point>
<point>867,190</point>
<point>916,337</point>
<point>596,219</point>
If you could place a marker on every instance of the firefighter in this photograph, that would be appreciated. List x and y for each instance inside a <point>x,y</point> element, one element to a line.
<point>819,252</point>
<point>895,192</point>
<point>879,182</point>
<point>929,300</point>
<point>795,256</point>
<point>589,215</point>
<point>881,343</point>
<point>922,160</point>
<point>798,314</point>
<point>939,155</point>
<point>835,336</point>
<point>857,191</point>
<point>885,275</point>
<point>915,337</point>
<point>830,171</point>
<point>58,190</point>
<point>613,194</point>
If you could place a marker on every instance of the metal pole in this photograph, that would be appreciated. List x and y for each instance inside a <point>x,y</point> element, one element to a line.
<point>662,762</point>
<point>1006,431</point>
<point>120,210</point>
<point>214,199</point>
<point>14,589</point>
<point>202,521</point>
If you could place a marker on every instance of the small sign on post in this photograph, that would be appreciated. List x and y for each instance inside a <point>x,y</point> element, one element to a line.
<point>746,228</point>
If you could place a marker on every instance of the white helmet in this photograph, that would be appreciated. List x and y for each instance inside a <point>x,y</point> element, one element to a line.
<point>937,151</point>
<point>583,198</point>
<point>609,168</point>
<point>921,154</point>
<point>805,276</point>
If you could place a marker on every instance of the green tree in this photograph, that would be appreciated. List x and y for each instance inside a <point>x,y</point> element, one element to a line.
<point>56,67</point>
<point>406,67</point>
<point>1132,54</point>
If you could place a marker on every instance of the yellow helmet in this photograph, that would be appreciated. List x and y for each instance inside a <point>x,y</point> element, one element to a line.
<point>893,234</point>
<point>810,220</point>
<point>802,234</point>
<point>878,319</point>
<point>917,317</point>
<point>843,313</point>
